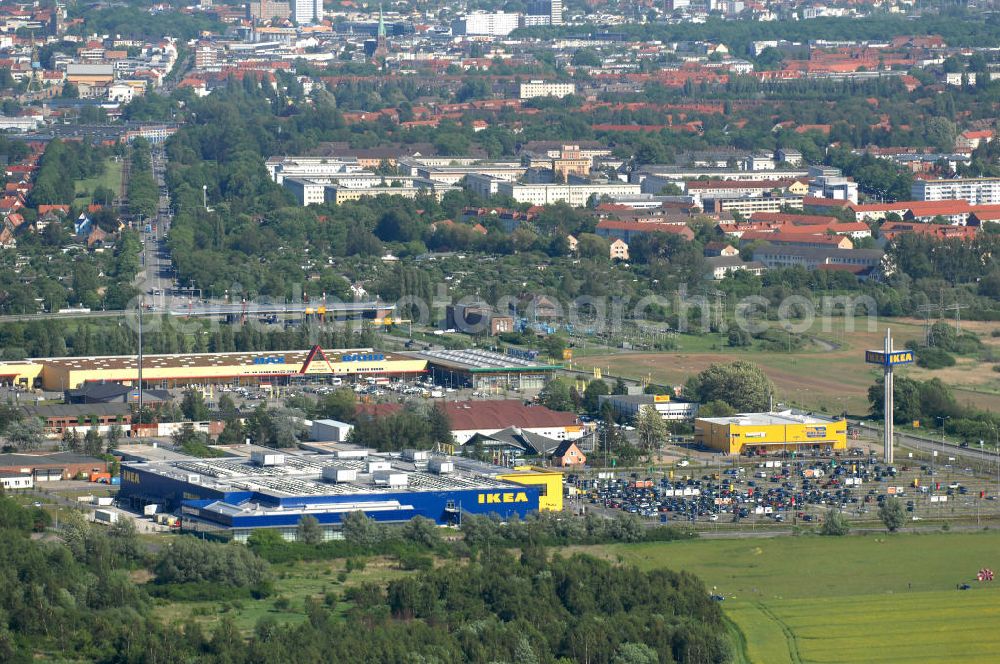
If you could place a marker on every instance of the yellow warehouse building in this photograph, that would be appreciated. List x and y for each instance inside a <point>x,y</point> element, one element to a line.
<point>770,432</point>
<point>63,373</point>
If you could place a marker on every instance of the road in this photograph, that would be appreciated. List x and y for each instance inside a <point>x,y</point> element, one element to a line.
<point>930,445</point>
<point>155,279</point>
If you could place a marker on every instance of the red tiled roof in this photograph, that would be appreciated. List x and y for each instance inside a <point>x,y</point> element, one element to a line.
<point>644,227</point>
<point>500,414</point>
<point>784,237</point>
<point>791,218</point>
<point>45,209</point>
<point>892,229</point>
<point>919,208</point>
<point>377,410</point>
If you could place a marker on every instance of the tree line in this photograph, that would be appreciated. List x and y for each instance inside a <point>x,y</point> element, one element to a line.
<point>74,593</point>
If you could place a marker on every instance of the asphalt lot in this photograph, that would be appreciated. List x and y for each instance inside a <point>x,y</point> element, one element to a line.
<point>742,491</point>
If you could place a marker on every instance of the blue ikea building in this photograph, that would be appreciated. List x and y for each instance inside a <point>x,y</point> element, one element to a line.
<point>232,497</point>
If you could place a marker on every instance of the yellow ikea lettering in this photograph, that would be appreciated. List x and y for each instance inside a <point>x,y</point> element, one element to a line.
<point>496,498</point>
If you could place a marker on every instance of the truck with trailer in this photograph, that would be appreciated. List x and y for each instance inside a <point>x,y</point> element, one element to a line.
<point>106,517</point>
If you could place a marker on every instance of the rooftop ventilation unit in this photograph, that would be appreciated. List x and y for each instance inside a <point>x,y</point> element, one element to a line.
<point>339,475</point>
<point>267,459</point>
<point>389,478</point>
<point>440,466</point>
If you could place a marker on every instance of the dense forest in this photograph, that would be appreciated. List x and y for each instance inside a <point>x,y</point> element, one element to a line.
<point>73,593</point>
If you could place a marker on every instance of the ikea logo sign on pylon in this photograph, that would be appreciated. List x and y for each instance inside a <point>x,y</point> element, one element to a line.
<point>497,498</point>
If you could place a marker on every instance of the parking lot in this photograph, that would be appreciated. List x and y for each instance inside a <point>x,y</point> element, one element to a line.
<point>795,491</point>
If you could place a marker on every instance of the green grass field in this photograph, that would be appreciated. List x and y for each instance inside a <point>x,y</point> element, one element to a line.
<point>853,599</point>
<point>295,582</point>
<point>111,178</point>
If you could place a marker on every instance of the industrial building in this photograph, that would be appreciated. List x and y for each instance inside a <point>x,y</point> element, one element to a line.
<point>265,488</point>
<point>469,418</point>
<point>485,370</point>
<point>628,406</point>
<point>767,433</point>
<point>50,467</point>
<point>166,371</point>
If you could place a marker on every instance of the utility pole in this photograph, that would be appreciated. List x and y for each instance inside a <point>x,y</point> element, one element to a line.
<point>926,309</point>
<point>139,358</point>
<point>957,308</point>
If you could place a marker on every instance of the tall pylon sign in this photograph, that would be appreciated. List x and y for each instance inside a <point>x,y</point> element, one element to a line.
<point>888,358</point>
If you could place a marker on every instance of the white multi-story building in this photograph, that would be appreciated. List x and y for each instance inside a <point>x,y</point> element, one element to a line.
<point>354,186</point>
<point>280,168</point>
<point>494,24</point>
<point>977,191</point>
<point>307,11</point>
<point>576,195</point>
<point>759,162</point>
<point>543,12</point>
<point>827,182</point>
<point>533,89</point>
<point>455,174</point>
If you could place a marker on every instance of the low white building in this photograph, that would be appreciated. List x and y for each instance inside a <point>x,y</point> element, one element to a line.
<point>330,430</point>
<point>533,89</point>
<point>628,406</point>
<point>15,481</point>
<point>576,195</point>
<point>121,93</point>
<point>281,167</point>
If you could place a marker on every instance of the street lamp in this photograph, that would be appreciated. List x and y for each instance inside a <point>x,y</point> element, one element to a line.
<point>942,419</point>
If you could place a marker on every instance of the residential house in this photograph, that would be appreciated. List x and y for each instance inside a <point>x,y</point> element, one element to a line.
<point>82,226</point>
<point>720,266</point>
<point>568,454</point>
<point>785,238</point>
<point>972,139</point>
<point>891,230</point>
<point>779,256</point>
<point>618,250</point>
<point>720,249</point>
<point>629,230</point>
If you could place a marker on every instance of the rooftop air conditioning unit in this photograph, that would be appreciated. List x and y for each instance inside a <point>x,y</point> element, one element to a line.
<point>440,466</point>
<point>389,478</point>
<point>334,474</point>
<point>267,459</point>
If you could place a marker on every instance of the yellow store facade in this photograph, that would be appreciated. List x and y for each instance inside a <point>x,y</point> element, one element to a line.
<point>769,432</point>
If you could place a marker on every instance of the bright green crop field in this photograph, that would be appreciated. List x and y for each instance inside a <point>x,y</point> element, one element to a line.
<point>851,599</point>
